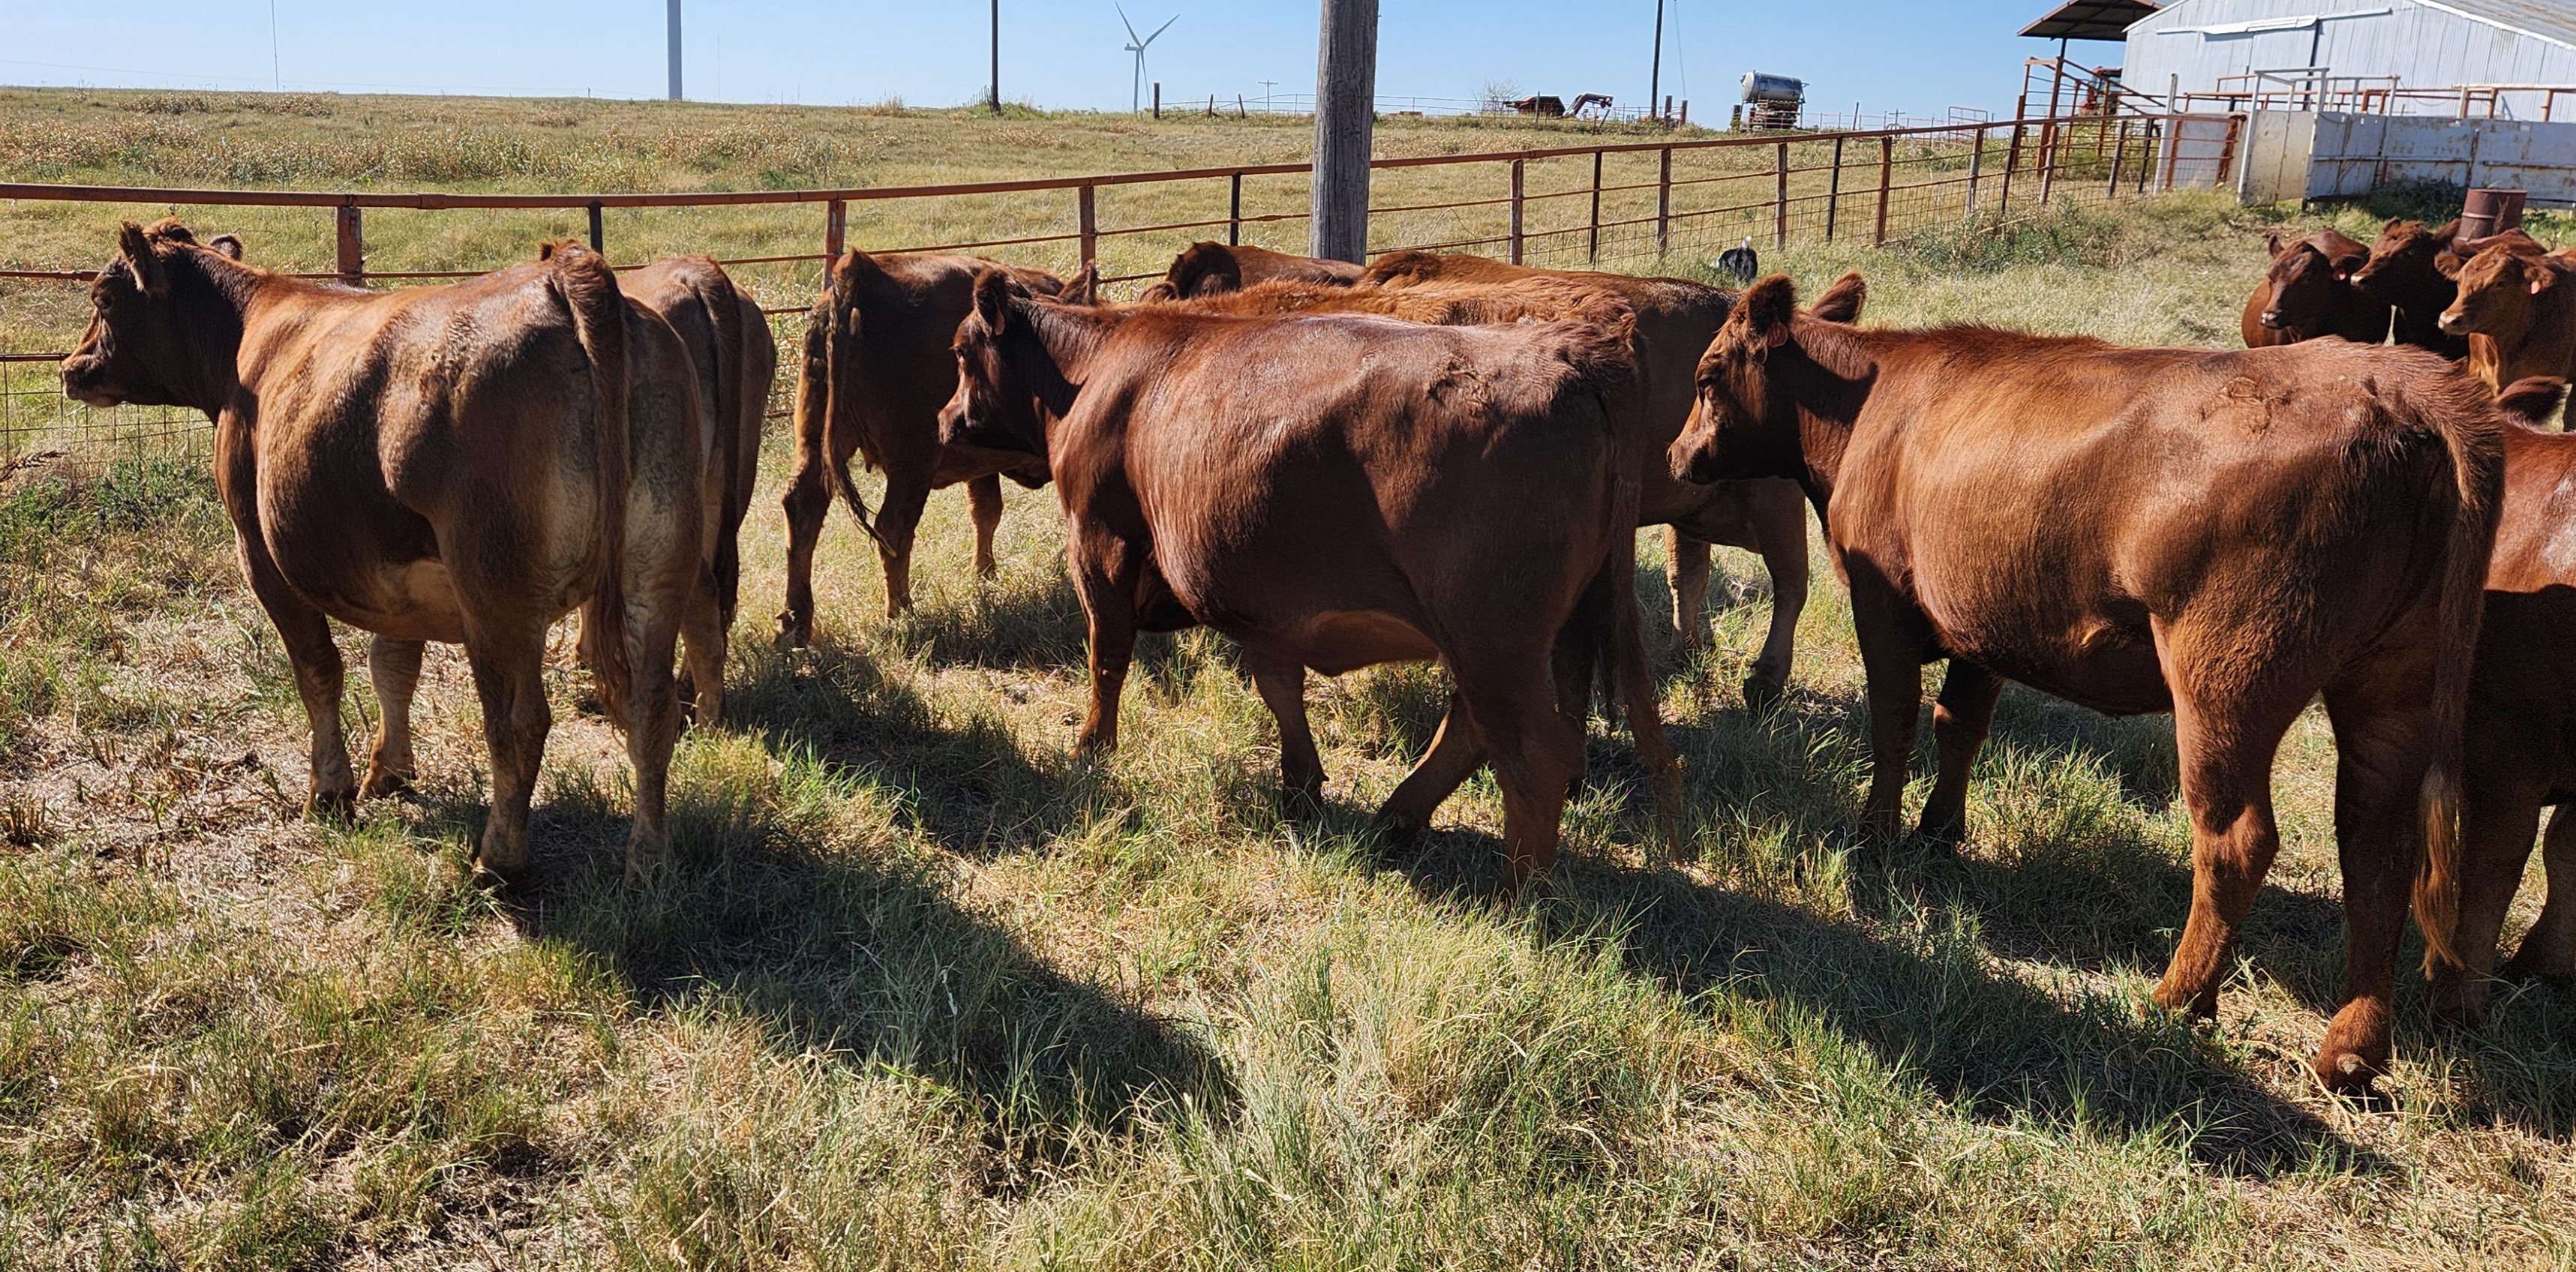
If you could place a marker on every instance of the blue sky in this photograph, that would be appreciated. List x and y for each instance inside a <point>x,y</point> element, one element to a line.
<point>1917,56</point>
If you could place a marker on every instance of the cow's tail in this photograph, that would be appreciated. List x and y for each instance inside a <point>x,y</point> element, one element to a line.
<point>725,431</point>
<point>589,290</point>
<point>818,404</point>
<point>2470,434</point>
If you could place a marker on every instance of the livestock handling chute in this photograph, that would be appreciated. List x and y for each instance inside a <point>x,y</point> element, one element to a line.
<point>1775,99</point>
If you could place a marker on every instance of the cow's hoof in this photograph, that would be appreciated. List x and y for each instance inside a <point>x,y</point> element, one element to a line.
<point>1944,838</point>
<point>1301,800</point>
<point>384,782</point>
<point>1401,830</point>
<point>2458,1001</point>
<point>794,632</point>
<point>332,805</point>
<point>2347,1072</point>
<point>1761,693</point>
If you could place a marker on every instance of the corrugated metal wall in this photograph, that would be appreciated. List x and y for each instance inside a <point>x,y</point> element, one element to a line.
<point>2424,47</point>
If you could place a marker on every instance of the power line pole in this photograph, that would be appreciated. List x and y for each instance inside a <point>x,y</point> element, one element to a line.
<point>997,57</point>
<point>675,50</point>
<point>1345,113</point>
<point>1655,81</point>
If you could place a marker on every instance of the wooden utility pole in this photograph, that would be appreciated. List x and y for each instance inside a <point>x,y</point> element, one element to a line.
<point>997,57</point>
<point>675,50</point>
<point>1345,113</point>
<point>1655,81</point>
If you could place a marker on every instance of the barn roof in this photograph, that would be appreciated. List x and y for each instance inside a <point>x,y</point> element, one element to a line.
<point>2090,20</point>
<point>2551,20</point>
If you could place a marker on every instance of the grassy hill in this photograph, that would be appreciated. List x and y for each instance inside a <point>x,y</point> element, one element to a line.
<point>921,990</point>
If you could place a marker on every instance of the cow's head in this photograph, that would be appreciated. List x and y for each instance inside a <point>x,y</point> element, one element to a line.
<point>2407,252</point>
<point>2497,287</point>
<point>2302,283</point>
<point>1005,382</point>
<point>165,322</point>
<point>1758,378</point>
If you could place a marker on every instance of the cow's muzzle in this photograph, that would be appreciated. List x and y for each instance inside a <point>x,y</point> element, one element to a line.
<point>85,380</point>
<point>2450,321</point>
<point>2272,319</point>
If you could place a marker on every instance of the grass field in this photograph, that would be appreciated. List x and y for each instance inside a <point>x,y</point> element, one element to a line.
<point>923,991</point>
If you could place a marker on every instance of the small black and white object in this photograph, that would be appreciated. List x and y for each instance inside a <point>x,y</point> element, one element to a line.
<point>1740,262</point>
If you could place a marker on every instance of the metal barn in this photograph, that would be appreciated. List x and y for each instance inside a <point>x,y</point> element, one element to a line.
<point>2355,51</point>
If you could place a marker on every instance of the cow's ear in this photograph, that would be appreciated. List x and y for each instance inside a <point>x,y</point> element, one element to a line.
<point>2449,263</point>
<point>2542,278</point>
<point>2272,243</point>
<point>228,244</point>
<point>2531,400</point>
<point>1842,301</point>
<point>136,247</point>
<point>2449,233</point>
<point>546,250</point>
<point>1085,287</point>
<point>993,299</point>
<point>1773,302</point>
<point>2393,223</point>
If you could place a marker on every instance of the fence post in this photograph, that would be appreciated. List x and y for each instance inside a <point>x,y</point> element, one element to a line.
<point>836,228</point>
<point>1234,213</point>
<point>1158,99</point>
<point>598,238</point>
<point>1976,166</point>
<point>1090,229</point>
<point>352,246</point>
<point>2048,138</point>
<point>2119,151</point>
<point>1516,211</point>
<point>1780,196</point>
<point>2147,154</point>
<point>1593,253</point>
<point>1664,204</point>
<point>2012,164</point>
<point>1834,191</point>
<point>1886,171</point>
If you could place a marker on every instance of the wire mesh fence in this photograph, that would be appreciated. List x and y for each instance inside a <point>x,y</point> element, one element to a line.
<point>1625,205</point>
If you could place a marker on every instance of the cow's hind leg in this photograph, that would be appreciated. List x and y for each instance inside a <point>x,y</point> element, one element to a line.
<point>1536,752</point>
<point>808,498</point>
<point>507,655</point>
<point>1961,718</point>
<point>1456,752</point>
<point>653,719</point>
<point>318,680</point>
<point>2549,948</point>
<point>984,504</point>
<point>898,517</point>
<point>702,685</point>
<point>2496,820</point>
<point>1282,685</point>
<point>2383,743</point>
<point>393,666</point>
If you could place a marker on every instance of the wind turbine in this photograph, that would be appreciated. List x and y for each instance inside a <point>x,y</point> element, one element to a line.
<point>1136,98</point>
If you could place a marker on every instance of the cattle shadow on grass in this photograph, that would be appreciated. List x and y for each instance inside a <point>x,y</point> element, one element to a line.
<point>857,952</point>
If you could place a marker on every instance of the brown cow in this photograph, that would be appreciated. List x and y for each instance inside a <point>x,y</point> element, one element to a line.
<point>1209,269</point>
<point>2308,293</point>
<point>2404,270</point>
<point>2517,306</point>
<point>463,463</point>
<point>1337,491</point>
<point>1675,320</point>
<point>2521,742</point>
<point>735,359</point>
<point>877,369</point>
<point>2220,535</point>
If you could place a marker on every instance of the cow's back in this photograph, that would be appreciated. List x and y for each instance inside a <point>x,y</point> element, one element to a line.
<point>2010,485</point>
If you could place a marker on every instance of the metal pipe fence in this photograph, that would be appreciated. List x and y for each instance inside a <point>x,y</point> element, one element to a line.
<point>1615,204</point>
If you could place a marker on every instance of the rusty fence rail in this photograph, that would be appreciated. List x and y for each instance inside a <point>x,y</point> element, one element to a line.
<point>1609,204</point>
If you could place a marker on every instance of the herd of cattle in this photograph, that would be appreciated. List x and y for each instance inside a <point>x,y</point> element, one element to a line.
<point>1444,457</point>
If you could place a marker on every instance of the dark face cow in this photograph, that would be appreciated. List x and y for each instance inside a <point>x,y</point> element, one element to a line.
<point>1213,269</point>
<point>2307,293</point>
<point>1386,492</point>
<point>2404,272</point>
<point>2225,536</point>
<point>463,463</point>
